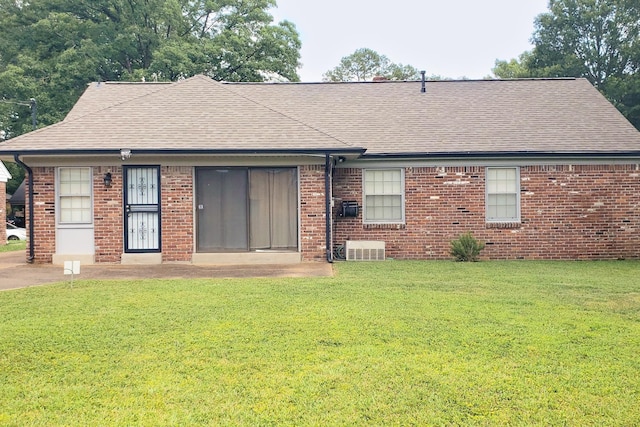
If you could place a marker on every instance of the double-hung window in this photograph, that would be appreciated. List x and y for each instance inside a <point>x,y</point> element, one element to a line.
<point>503,194</point>
<point>74,195</point>
<point>383,196</point>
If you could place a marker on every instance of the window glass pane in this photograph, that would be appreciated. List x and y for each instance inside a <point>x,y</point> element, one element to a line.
<point>383,195</point>
<point>502,194</point>
<point>74,189</point>
<point>387,208</point>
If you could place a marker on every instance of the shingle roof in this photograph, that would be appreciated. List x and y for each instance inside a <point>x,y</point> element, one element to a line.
<point>101,95</point>
<point>387,118</point>
<point>194,114</point>
<point>534,115</point>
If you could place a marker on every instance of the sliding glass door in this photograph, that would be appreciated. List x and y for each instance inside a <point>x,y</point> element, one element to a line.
<point>241,209</point>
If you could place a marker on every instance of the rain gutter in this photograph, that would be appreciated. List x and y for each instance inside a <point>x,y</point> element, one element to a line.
<point>501,154</point>
<point>32,255</point>
<point>138,151</point>
<point>327,199</point>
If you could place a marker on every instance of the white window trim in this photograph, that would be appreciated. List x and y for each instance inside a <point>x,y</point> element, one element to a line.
<point>59,195</point>
<point>364,197</point>
<point>517,219</point>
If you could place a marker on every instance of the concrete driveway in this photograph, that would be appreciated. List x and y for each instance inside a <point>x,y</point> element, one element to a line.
<point>16,273</point>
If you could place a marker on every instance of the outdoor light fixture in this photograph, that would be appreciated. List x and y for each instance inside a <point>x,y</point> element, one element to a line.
<point>125,153</point>
<point>107,179</point>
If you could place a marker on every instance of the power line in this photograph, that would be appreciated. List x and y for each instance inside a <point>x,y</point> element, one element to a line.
<point>34,108</point>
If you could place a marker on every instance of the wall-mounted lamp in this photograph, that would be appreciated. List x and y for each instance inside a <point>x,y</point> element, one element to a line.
<point>125,153</point>
<point>107,179</point>
<point>341,159</point>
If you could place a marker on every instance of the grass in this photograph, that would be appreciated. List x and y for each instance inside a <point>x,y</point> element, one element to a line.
<point>391,343</point>
<point>13,246</point>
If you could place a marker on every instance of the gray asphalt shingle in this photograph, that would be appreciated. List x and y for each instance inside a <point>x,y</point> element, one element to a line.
<point>481,116</point>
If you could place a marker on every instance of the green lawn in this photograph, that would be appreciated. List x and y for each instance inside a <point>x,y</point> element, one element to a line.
<point>389,343</point>
<point>12,246</point>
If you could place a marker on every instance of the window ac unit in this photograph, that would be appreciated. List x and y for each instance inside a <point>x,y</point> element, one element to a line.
<point>364,250</point>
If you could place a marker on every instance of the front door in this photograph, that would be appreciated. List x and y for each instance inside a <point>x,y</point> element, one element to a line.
<point>142,209</point>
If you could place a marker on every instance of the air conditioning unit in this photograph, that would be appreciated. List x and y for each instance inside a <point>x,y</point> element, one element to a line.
<point>364,250</point>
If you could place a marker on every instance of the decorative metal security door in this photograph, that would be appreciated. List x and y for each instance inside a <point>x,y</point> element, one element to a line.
<point>142,209</point>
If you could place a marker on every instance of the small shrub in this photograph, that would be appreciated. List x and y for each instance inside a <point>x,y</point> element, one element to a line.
<point>466,248</point>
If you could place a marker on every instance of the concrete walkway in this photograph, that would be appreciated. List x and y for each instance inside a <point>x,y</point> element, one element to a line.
<point>16,273</point>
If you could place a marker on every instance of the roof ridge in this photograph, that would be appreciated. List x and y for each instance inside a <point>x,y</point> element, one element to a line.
<point>116,82</point>
<point>370,82</point>
<point>66,121</point>
<point>165,85</point>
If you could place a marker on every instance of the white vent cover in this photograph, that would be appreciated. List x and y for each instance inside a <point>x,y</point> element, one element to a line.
<point>364,250</point>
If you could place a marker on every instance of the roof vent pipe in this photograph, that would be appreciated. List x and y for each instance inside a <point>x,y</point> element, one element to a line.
<point>424,82</point>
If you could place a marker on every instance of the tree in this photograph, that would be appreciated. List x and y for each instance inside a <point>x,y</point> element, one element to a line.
<point>50,49</point>
<point>595,39</point>
<point>513,69</point>
<point>365,64</point>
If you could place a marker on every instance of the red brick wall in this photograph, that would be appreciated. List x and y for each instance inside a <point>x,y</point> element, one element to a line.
<point>44,213</point>
<point>177,213</point>
<point>312,213</point>
<point>107,215</point>
<point>567,212</point>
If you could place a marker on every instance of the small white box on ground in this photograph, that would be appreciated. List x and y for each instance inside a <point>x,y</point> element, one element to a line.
<point>72,267</point>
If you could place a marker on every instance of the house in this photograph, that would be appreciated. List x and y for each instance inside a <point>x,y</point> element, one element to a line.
<point>201,171</point>
<point>16,203</point>
<point>4,177</point>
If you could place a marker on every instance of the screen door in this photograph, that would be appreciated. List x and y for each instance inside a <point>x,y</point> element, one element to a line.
<point>142,209</point>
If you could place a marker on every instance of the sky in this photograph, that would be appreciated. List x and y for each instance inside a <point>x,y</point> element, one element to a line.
<point>448,38</point>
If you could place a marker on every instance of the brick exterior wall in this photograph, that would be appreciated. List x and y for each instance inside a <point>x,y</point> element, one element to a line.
<point>312,213</point>
<point>177,213</point>
<point>44,213</point>
<point>567,212</point>
<point>107,215</point>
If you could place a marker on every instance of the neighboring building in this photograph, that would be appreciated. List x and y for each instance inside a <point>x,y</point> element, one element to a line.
<point>16,205</point>
<point>4,177</point>
<point>208,172</point>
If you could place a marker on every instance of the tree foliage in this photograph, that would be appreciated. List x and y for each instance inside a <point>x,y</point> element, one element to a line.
<point>50,49</point>
<point>595,39</point>
<point>365,64</point>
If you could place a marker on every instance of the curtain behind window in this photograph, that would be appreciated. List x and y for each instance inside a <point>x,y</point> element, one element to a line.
<point>273,209</point>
